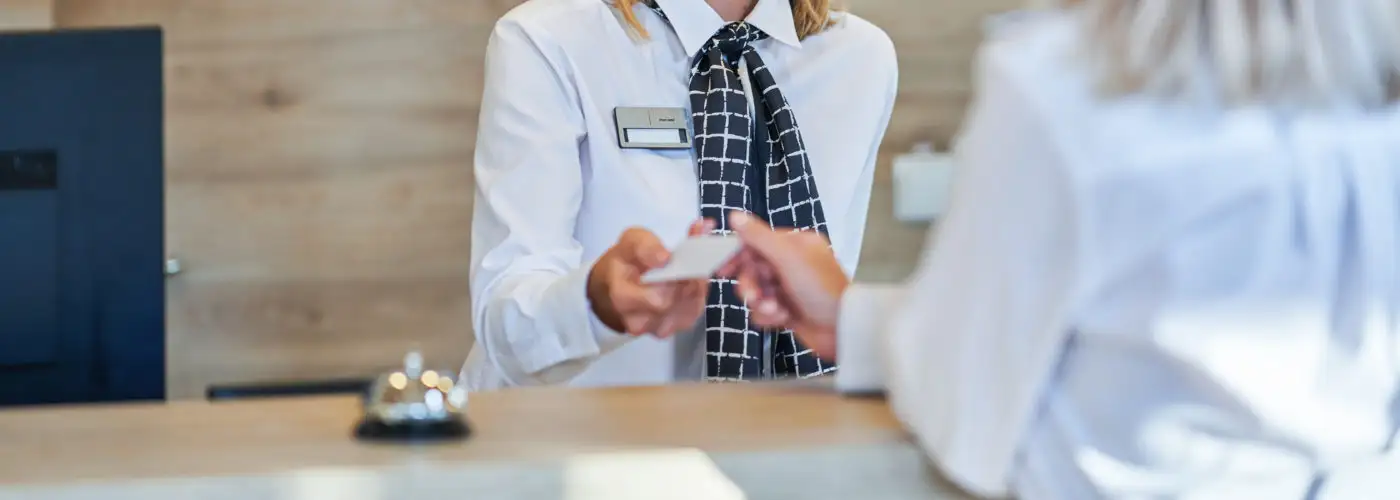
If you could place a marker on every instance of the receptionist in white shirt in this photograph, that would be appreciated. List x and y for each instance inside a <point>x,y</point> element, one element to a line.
<point>609,128</point>
<point>1170,269</point>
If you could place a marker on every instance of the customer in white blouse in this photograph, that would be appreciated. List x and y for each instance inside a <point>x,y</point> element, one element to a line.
<point>1171,268</point>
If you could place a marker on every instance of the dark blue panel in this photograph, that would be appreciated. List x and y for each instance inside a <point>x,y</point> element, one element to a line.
<point>96,99</point>
<point>28,276</point>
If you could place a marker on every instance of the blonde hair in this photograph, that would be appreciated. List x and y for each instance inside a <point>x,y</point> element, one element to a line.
<point>1312,52</point>
<point>809,16</point>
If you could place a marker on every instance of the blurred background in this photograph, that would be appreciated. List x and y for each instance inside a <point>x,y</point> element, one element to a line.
<point>318,169</point>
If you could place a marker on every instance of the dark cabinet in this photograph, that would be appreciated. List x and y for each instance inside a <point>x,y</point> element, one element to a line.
<point>82,287</point>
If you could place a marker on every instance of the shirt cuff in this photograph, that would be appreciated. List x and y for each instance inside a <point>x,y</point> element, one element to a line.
<point>860,337</point>
<point>606,339</point>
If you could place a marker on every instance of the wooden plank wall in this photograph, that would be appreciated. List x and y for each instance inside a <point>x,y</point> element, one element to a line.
<point>936,41</point>
<point>319,187</point>
<point>26,14</point>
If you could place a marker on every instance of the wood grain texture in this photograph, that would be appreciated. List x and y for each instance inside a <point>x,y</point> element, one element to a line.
<point>318,170</point>
<point>318,180</point>
<point>19,15</point>
<point>936,41</point>
<point>194,439</point>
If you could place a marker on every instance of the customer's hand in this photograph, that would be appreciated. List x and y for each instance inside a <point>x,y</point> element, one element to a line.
<point>626,305</point>
<point>791,279</point>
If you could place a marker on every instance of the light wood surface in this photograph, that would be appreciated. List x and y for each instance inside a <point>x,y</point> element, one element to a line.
<point>319,170</point>
<point>936,41</point>
<point>26,14</point>
<point>117,444</point>
<point>319,180</point>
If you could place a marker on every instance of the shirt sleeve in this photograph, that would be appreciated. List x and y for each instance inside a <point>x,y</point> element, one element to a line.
<point>529,299</point>
<point>973,338</point>
<point>859,337</point>
<point>848,249</point>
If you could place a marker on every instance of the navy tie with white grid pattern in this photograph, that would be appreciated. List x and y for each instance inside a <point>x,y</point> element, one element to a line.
<point>724,140</point>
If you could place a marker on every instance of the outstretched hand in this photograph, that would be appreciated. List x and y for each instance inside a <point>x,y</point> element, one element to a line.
<point>626,305</point>
<point>791,279</point>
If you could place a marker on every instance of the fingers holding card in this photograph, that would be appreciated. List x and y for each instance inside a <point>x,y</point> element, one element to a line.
<point>696,258</point>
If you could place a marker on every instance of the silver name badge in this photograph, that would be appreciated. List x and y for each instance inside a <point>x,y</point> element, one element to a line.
<point>652,128</point>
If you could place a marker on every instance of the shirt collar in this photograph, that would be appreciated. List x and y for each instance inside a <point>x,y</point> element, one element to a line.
<point>695,22</point>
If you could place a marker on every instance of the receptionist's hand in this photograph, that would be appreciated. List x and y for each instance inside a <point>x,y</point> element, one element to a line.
<point>624,304</point>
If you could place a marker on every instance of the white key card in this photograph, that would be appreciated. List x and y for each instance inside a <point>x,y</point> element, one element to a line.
<point>695,258</point>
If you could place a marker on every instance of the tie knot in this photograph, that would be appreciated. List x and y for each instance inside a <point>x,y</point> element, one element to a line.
<point>734,38</point>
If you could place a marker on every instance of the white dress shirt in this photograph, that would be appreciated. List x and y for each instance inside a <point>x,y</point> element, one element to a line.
<point>554,190</point>
<point>1136,300</point>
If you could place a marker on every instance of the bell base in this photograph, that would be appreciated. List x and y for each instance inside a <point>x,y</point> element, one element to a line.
<point>412,432</point>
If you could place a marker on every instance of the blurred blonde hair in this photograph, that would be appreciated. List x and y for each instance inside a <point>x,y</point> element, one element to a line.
<point>1312,52</point>
<point>809,16</point>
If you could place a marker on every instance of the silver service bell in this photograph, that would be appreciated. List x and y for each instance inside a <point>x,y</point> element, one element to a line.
<point>414,404</point>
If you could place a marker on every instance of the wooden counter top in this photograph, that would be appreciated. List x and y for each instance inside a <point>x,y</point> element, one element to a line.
<point>755,431</point>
